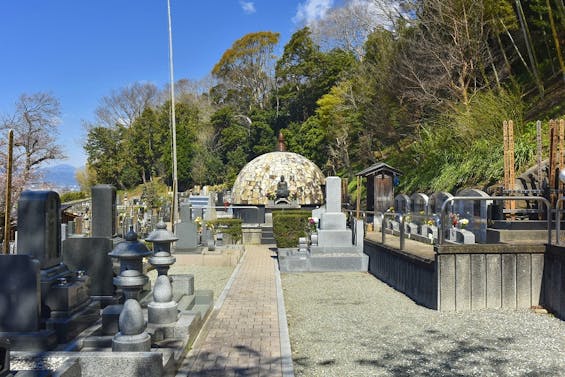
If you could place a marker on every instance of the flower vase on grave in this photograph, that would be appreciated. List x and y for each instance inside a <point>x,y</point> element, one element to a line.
<point>452,234</point>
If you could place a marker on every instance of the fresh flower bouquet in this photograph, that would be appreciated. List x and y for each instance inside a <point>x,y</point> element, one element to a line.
<point>463,223</point>
<point>312,224</point>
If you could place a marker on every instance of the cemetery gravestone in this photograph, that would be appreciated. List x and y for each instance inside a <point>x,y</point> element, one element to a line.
<point>476,211</point>
<point>103,211</point>
<point>186,230</point>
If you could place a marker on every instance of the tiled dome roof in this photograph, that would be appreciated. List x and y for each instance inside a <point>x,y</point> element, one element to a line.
<point>260,177</point>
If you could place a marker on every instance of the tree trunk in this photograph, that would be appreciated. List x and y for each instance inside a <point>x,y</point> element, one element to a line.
<point>555,39</point>
<point>529,46</point>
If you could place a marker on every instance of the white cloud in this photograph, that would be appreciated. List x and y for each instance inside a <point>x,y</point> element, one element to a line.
<point>247,6</point>
<point>311,11</point>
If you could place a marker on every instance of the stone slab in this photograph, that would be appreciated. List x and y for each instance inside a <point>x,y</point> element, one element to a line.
<point>317,250</point>
<point>300,262</point>
<point>20,294</point>
<point>478,282</point>
<point>523,281</point>
<point>90,254</point>
<point>463,282</point>
<point>494,285</point>
<point>335,238</point>
<point>183,284</point>
<point>96,364</point>
<point>333,220</point>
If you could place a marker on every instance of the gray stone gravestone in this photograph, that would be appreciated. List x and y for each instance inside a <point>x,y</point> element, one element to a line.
<point>39,227</point>
<point>476,211</point>
<point>65,306</point>
<point>419,204</point>
<point>436,201</point>
<point>90,254</point>
<point>402,203</point>
<point>186,230</point>
<point>103,211</point>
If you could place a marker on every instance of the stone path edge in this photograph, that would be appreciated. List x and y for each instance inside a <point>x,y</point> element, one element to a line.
<point>286,352</point>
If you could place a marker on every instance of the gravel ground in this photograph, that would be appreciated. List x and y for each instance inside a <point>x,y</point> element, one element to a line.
<point>351,324</point>
<point>205,277</point>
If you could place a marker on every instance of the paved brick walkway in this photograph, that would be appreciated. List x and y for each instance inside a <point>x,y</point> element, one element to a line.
<point>242,337</point>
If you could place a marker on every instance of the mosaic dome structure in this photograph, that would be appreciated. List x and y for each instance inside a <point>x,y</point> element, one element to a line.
<point>258,180</point>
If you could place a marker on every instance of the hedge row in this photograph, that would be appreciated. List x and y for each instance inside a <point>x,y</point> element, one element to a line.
<point>231,227</point>
<point>289,225</point>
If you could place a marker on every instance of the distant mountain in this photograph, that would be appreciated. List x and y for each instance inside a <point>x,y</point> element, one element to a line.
<point>62,175</point>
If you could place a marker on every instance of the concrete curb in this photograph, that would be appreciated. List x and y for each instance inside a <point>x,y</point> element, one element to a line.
<point>286,352</point>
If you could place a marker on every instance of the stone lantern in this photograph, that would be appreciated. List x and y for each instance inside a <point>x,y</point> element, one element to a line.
<point>161,239</point>
<point>130,252</point>
<point>130,281</point>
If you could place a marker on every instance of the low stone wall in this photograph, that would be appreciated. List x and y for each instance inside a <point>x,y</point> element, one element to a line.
<point>472,277</point>
<point>553,287</point>
<point>468,277</point>
<point>412,275</point>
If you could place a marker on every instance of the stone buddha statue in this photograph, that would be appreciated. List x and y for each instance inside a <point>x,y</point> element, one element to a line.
<point>282,189</point>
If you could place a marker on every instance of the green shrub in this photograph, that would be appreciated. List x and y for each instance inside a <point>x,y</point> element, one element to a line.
<point>231,227</point>
<point>288,226</point>
<point>72,196</point>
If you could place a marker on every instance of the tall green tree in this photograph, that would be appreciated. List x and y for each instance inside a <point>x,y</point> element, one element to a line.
<point>245,71</point>
<point>145,142</point>
<point>304,74</point>
<point>187,125</point>
<point>108,157</point>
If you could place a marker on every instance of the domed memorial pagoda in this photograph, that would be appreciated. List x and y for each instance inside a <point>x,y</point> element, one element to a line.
<point>273,176</point>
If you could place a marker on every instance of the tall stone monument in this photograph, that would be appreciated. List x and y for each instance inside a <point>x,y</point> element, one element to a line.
<point>333,233</point>
<point>103,211</point>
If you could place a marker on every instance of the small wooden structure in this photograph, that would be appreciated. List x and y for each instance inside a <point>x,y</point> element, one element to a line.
<point>380,186</point>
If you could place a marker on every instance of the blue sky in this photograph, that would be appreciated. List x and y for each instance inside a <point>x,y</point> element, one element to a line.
<point>82,50</point>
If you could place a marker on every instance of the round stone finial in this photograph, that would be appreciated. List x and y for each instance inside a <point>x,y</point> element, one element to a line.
<point>162,291</point>
<point>131,320</point>
<point>131,235</point>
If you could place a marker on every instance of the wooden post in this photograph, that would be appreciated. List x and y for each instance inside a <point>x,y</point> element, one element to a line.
<point>539,147</point>
<point>511,166</point>
<point>560,185</point>
<point>553,159</point>
<point>8,198</point>
<point>541,215</point>
<point>358,196</point>
<point>505,141</point>
<point>509,169</point>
